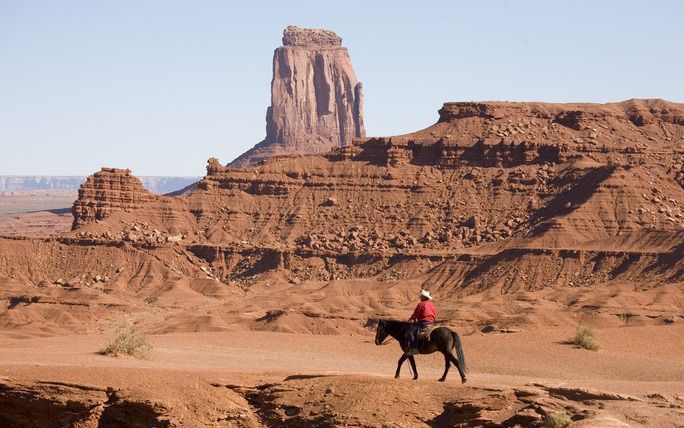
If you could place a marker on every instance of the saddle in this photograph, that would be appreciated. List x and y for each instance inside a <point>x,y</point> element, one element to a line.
<point>421,338</point>
<point>424,333</point>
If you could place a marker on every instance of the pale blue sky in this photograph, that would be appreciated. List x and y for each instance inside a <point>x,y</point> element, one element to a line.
<point>160,86</point>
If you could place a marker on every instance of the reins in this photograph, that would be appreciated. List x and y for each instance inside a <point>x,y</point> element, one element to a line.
<point>387,340</point>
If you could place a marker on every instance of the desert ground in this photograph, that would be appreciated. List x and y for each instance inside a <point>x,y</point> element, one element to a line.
<point>290,379</point>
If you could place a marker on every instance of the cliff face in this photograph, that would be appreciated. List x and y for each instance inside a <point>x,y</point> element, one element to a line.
<point>559,174</point>
<point>491,134</point>
<point>521,181</point>
<point>316,99</point>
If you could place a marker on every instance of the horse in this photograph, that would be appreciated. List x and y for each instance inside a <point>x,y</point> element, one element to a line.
<point>442,339</point>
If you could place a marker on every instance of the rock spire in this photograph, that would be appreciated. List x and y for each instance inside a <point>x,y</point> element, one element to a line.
<point>316,99</point>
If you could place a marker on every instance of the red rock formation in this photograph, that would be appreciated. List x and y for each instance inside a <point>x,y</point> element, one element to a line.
<point>515,164</point>
<point>316,100</point>
<point>139,214</point>
<point>499,198</point>
<point>106,190</point>
<point>519,180</point>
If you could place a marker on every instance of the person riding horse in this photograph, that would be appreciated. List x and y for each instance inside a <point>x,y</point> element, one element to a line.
<point>442,339</point>
<point>423,316</point>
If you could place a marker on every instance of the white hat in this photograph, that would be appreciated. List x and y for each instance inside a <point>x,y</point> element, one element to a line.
<point>425,293</point>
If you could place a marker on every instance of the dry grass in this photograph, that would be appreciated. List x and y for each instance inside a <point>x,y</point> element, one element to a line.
<point>128,341</point>
<point>585,338</point>
<point>558,420</point>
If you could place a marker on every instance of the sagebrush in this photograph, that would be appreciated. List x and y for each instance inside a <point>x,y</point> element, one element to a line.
<point>128,341</point>
<point>585,338</point>
<point>558,420</point>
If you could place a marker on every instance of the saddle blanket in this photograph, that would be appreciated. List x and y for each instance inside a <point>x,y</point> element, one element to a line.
<point>424,333</point>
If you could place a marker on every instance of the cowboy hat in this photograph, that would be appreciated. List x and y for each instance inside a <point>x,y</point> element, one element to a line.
<point>425,293</point>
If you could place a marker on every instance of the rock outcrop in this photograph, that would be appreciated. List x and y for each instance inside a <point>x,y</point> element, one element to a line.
<point>106,190</point>
<point>316,99</point>
<point>115,191</point>
<point>48,403</point>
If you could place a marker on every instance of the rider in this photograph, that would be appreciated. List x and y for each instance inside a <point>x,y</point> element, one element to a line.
<point>423,316</point>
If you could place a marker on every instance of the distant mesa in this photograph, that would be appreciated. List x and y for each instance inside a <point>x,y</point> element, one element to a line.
<point>22,183</point>
<point>316,99</point>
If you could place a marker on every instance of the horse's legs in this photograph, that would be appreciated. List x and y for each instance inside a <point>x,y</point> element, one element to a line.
<point>446,366</point>
<point>413,366</point>
<point>458,366</point>
<point>401,361</point>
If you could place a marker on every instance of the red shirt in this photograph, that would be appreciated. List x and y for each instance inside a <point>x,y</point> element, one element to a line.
<point>425,311</point>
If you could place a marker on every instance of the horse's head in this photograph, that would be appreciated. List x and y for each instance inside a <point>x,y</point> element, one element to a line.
<point>380,333</point>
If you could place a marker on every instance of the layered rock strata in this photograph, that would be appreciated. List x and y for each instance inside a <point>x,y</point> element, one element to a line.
<point>316,99</point>
<point>496,198</point>
<point>106,190</point>
<point>114,191</point>
<point>504,173</point>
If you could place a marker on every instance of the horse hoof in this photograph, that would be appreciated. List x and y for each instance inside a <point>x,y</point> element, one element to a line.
<point>464,380</point>
<point>442,379</point>
<point>415,378</point>
<point>396,376</point>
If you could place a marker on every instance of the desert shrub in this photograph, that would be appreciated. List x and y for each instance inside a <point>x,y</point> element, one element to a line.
<point>127,340</point>
<point>558,420</point>
<point>585,338</point>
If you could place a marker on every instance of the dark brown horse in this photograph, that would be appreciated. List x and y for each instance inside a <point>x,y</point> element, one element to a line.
<point>442,339</point>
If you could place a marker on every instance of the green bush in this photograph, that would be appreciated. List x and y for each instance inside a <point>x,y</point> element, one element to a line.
<point>558,420</point>
<point>129,341</point>
<point>585,338</point>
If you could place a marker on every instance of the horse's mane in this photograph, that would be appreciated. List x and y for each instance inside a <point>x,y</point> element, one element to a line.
<point>394,321</point>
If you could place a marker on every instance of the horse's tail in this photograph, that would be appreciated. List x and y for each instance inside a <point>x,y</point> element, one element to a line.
<point>459,351</point>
